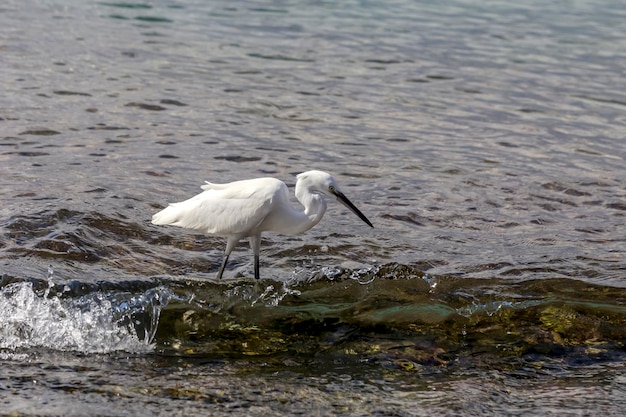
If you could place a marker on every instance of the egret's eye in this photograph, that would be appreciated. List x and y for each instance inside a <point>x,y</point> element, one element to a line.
<point>331,188</point>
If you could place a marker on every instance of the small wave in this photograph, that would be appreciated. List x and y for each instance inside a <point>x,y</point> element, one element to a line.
<point>97,322</point>
<point>387,313</point>
<point>374,313</point>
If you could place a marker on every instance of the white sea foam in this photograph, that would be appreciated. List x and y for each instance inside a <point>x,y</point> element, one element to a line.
<point>98,322</point>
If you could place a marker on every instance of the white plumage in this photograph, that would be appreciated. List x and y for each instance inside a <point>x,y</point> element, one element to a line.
<point>247,208</point>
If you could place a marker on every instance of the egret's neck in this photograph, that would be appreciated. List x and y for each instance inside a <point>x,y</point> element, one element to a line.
<point>314,206</point>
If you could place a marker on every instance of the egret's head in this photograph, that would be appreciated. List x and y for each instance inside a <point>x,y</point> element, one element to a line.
<point>318,182</point>
<point>324,183</point>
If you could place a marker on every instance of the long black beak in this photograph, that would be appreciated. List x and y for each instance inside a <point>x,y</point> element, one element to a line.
<point>344,200</point>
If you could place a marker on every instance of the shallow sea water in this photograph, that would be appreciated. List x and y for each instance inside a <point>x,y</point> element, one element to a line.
<point>485,141</point>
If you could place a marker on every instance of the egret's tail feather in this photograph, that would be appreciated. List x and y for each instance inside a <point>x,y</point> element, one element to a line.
<point>169,215</point>
<point>212,186</point>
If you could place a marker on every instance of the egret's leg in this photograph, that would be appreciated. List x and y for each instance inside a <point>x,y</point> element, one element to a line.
<point>230,245</point>
<point>255,244</point>
<point>221,271</point>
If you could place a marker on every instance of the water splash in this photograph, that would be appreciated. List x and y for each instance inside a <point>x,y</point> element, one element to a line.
<point>432,283</point>
<point>254,294</point>
<point>50,281</point>
<point>97,322</point>
<point>331,273</point>
<point>365,276</point>
<point>491,308</point>
<point>271,297</point>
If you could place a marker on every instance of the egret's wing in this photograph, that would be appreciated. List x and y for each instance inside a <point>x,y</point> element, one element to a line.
<point>224,209</point>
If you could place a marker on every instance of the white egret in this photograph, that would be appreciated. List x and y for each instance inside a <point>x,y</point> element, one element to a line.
<point>247,208</point>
